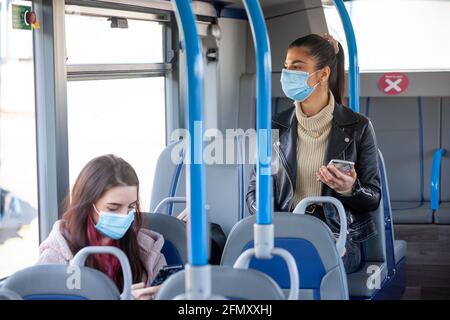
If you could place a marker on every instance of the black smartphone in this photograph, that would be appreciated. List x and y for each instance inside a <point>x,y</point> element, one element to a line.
<point>164,273</point>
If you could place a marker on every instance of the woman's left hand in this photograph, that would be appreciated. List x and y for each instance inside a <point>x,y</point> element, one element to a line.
<point>336,180</point>
<point>141,292</point>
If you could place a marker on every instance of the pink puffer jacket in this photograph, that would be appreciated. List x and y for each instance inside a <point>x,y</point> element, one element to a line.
<point>55,250</point>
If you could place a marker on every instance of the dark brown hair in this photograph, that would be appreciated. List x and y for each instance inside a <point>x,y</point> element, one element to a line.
<point>324,55</point>
<point>97,177</point>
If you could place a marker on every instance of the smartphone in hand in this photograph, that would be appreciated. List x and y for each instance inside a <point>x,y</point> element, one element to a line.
<point>343,165</point>
<point>164,273</point>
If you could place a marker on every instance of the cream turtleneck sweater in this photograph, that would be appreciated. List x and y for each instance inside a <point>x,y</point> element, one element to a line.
<point>312,142</point>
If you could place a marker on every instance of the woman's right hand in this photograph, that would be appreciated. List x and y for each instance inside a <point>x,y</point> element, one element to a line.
<point>140,291</point>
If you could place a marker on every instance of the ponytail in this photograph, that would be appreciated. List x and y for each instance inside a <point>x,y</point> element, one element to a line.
<point>337,82</point>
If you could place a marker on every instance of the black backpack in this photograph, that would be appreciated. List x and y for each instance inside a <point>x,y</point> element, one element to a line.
<point>217,243</point>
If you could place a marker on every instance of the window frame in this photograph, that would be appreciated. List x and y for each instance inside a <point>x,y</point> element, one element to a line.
<point>122,70</point>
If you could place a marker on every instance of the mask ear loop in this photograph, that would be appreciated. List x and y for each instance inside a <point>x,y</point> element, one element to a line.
<point>315,86</point>
<point>96,210</point>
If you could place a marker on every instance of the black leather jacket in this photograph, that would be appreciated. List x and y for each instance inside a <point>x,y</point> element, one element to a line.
<point>351,138</point>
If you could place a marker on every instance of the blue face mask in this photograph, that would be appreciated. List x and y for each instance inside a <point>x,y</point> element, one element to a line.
<point>114,225</point>
<point>295,84</point>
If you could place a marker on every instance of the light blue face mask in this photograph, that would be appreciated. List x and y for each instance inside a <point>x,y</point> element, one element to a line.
<point>114,225</point>
<point>295,84</point>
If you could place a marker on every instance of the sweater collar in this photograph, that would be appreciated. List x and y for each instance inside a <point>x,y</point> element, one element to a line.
<point>317,123</point>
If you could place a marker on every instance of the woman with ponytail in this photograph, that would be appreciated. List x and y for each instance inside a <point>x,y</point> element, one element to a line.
<point>317,129</point>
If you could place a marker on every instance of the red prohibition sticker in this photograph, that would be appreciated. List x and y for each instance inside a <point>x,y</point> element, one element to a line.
<point>393,83</point>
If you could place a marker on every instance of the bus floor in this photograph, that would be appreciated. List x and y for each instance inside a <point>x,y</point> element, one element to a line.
<point>428,261</point>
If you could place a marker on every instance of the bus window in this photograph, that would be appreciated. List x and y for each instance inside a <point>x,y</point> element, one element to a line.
<point>125,117</point>
<point>93,40</point>
<point>18,174</point>
<point>393,39</point>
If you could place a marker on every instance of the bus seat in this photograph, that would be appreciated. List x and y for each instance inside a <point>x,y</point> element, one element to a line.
<point>391,273</point>
<point>174,233</point>
<point>49,282</point>
<point>413,124</point>
<point>310,241</point>
<point>375,253</point>
<point>414,212</point>
<point>400,246</point>
<point>233,284</point>
<point>167,175</point>
<point>373,258</point>
<point>224,202</point>
<point>71,282</point>
<point>442,215</point>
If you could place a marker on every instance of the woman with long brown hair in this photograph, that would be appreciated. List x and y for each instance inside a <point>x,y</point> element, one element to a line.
<point>103,210</point>
<point>316,132</point>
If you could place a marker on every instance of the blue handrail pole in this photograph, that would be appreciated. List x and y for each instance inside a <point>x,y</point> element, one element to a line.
<point>264,229</point>
<point>435,179</point>
<point>263,111</point>
<point>353,73</point>
<point>198,272</point>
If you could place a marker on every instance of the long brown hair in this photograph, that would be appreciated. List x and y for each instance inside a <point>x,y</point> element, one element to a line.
<point>97,177</point>
<point>323,52</point>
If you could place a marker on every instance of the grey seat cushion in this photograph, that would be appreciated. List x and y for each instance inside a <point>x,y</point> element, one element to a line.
<point>442,215</point>
<point>412,212</point>
<point>359,283</point>
<point>230,283</point>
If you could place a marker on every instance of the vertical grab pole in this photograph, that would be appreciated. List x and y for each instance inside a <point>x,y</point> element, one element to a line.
<point>264,235</point>
<point>263,229</point>
<point>263,111</point>
<point>435,177</point>
<point>353,74</point>
<point>198,273</point>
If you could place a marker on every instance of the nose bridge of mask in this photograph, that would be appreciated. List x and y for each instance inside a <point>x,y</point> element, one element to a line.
<point>110,213</point>
<point>296,75</point>
<point>119,215</point>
